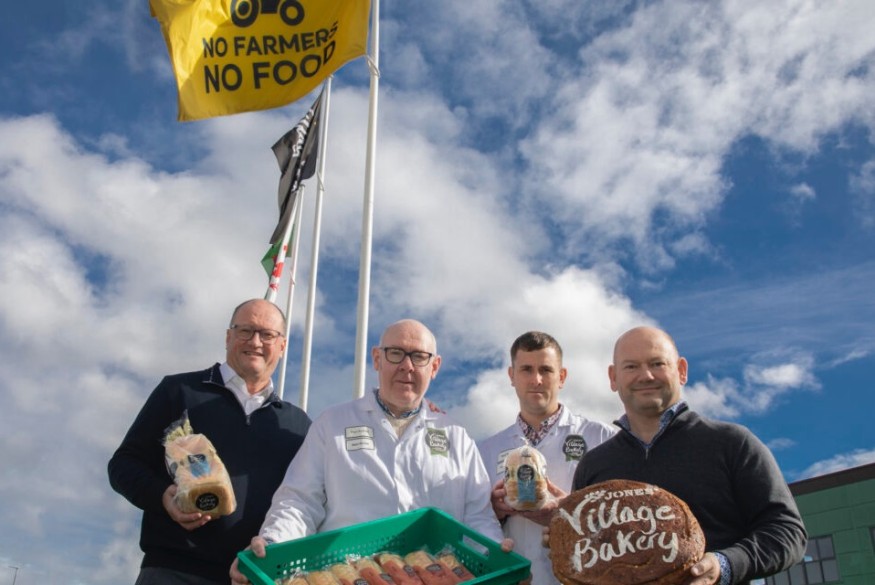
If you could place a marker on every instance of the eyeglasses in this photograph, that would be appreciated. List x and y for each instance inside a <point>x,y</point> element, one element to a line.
<point>267,336</point>
<point>396,355</point>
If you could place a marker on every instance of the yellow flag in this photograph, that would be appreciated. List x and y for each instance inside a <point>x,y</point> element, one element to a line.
<point>232,56</point>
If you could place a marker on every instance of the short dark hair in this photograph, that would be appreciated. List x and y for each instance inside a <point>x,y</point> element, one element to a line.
<point>533,341</point>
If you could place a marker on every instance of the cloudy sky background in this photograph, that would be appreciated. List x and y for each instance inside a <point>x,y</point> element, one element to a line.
<point>574,167</point>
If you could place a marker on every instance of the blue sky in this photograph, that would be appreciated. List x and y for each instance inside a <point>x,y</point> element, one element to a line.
<point>575,167</point>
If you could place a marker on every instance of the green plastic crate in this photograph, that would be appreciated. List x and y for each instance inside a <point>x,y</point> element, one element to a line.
<point>426,528</point>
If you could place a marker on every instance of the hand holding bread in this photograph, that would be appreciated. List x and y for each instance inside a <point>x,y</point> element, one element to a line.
<point>188,520</point>
<point>203,483</point>
<point>543,514</point>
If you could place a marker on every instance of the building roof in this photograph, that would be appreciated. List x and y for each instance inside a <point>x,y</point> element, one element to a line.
<point>831,480</point>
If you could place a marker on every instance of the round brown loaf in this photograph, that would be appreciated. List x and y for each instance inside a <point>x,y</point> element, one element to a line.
<point>623,532</point>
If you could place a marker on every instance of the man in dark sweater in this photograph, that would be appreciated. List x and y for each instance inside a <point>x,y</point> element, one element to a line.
<point>255,434</point>
<point>727,477</point>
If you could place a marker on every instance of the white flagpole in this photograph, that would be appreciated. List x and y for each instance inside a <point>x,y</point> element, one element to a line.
<point>314,252</point>
<point>368,208</point>
<point>293,269</point>
<point>273,285</point>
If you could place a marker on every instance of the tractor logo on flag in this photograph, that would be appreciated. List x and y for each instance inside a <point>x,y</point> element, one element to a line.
<point>244,12</point>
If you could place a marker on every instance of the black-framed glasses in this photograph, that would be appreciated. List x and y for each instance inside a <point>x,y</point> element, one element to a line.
<point>396,355</point>
<point>245,333</point>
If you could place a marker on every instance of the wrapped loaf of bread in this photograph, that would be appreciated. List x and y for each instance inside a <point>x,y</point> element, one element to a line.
<point>429,569</point>
<point>202,480</point>
<point>623,532</point>
<point>347,574</point>
<point>372,572</point>
<point>397,568</point>
<point>449,559</point>
<point>525,479</point>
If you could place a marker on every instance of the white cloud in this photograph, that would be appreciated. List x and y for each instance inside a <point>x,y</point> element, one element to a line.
<point>781,376</point>
<point>761,387</point>
<point>657,106</point>
<point>767,383</point>
<point>718,398</point>
<point>803,192</point>
<point>852,355</point>
<point>780,444</point>
<point>692,245</point>
<point>839,462</point>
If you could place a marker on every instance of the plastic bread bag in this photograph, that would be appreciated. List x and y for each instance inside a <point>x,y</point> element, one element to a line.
<point>203,484</point>
<point>448,557</point>
<point>429,569</point>
<point>396,567</point>
<point>348,574</point>
<point>372,572</point>
<point>525,479</point>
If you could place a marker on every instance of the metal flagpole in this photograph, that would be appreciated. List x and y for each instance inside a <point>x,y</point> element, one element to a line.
<point>293,269</point>
<point>314,252</point>
<point>368,208</point>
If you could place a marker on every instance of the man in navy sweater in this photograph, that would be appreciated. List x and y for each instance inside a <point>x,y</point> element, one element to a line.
<point>724,473</point>
<point>255,434</point>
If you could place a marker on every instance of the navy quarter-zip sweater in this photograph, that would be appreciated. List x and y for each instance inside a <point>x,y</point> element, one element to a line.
<point>256,450</point>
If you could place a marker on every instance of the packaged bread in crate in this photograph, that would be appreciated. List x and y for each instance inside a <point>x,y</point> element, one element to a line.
<point>373,546</point>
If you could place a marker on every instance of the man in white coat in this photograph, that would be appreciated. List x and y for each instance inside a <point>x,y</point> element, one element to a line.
<point>562,437</point>
<point>383,454</point>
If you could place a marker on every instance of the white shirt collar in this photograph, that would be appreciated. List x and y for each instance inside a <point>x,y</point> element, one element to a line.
<point>236,384</point>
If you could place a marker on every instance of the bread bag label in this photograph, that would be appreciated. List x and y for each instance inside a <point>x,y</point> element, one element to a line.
<point>525,476</point>
<point>199,464</point>
<point>207,502</point>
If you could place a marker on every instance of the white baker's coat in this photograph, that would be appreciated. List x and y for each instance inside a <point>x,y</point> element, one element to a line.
<point>353,468</point>
<point>563,451</point>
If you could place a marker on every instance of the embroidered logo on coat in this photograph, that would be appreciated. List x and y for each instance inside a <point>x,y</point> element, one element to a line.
<point>574,447</point>
<point>437,441</point>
